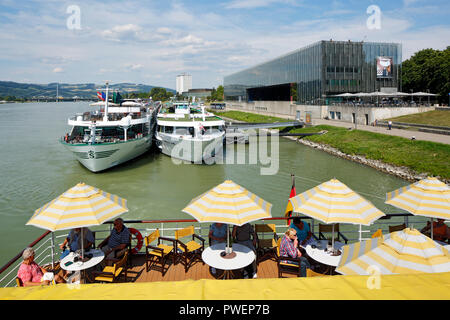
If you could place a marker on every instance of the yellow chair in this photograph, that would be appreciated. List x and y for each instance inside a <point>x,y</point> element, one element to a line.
<point>283,263</point>
<point>265,247</point>
<point>378,233</point>
<point>110,274</point>
<point>190,251</point>
<point>310,273</point>
<point>158,254</point>
<point>19,282</point>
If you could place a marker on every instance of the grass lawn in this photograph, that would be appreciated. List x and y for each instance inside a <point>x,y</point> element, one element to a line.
<point>248,117</point>
<point>434,118</point>
<point>420,156</point>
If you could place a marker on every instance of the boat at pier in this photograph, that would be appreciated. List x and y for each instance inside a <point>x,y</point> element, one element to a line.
<point>187,133</point>
<point>116,133</point>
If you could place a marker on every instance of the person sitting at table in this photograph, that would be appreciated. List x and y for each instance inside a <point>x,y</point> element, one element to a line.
<point>217,234</point>
<point>74,241</point>
<point>115,245</point>
<point>303,232</point>
<point>289,248</point>
<point>441,232</point>
<point>31,274</point>
<point>242,235</point>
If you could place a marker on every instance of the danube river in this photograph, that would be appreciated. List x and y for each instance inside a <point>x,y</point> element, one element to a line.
<point>35,168</point>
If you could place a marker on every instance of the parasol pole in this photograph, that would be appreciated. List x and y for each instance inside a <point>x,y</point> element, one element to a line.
<point>431,228</point>
<point>332,237</point>
<point>82,244</point>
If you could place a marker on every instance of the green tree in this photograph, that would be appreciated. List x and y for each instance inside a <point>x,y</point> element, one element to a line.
<point>219,93</point>
<point>428,69</point>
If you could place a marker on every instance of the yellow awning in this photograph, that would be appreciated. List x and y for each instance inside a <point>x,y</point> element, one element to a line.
<point>391,287</point>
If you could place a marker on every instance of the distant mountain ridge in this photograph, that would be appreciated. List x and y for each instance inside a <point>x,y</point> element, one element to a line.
<point>84,90</point>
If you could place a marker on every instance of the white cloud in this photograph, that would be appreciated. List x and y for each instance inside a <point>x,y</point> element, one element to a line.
<point>58,70</point>
<point>241,4</point>
<point>133,66</point>
<point>164,30</point>
<point>123,32</point>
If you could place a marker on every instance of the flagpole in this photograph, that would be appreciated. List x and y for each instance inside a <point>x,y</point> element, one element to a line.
<point>105,117</point>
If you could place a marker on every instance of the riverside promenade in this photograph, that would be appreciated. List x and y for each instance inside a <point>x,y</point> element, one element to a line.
<point>408,134</point>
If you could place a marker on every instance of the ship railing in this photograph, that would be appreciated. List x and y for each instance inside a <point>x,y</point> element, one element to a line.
<point>47,245</point>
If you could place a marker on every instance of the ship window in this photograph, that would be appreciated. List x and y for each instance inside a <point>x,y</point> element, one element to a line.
<point>181,130</point>
<point>168,129</point>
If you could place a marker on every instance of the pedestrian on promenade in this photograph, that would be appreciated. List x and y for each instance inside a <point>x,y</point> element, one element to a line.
<point>390,125</point>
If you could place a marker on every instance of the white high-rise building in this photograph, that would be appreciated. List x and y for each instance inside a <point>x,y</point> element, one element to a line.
<point>184,83</point>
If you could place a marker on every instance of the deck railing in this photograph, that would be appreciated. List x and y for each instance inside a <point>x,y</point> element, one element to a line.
<point>47,245</point>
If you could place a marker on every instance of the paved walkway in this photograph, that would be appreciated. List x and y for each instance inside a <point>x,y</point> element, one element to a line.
<point>441,138</point>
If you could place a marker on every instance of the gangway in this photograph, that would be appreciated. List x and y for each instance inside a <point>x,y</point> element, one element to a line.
<point>237,132</point>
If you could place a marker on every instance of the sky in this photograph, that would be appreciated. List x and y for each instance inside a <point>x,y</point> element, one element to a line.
<point>152,41</point>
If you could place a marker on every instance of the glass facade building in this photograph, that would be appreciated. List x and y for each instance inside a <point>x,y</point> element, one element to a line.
<point>313,74</point>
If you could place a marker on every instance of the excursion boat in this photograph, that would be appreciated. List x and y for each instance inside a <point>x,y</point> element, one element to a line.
<point>187,133</point>
<point>116,133</point>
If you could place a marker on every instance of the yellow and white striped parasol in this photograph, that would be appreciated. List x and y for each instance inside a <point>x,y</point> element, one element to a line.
<point>401,252</point>
<point>428,197</point>
<point>228,203</point>
<point>334,202</point>
<point>80,206</point>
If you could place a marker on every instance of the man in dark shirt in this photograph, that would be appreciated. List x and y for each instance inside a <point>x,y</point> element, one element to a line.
<point>242,235</point>
<point>116,243</point>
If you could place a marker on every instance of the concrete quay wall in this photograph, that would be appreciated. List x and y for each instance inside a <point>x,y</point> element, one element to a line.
<point>345,113</point>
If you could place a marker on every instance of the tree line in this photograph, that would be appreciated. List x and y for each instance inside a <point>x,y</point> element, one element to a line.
<point>428,69</point>
<point>157,94</point>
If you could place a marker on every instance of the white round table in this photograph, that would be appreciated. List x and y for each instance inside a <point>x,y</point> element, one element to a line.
<point>244,256</point>
<point>97,257</point>
<point>325,257</point>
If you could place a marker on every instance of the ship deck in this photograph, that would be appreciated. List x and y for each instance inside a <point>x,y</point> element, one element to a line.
<point>137,272</point>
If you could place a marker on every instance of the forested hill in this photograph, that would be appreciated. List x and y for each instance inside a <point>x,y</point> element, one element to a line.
<point>84,90</point>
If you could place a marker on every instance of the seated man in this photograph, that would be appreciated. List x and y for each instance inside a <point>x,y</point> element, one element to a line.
<point>289,248</point>
<point>441,232</point>
<point>217,234</point>
<point>243,235</point>
<point>74,241</point>
<point>116,243</point>
<point>302,229</point>
<point>31,274</point>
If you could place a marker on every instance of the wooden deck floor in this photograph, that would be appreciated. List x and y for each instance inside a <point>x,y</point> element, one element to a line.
<point>138,273</point>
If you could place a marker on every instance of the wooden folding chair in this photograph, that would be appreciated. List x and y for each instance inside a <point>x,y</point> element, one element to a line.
<point>328,228</point>
<point>266,241</point>
<point>399,227</point>
<point>110,274</point>
<point>190,251</point>
<point>158,254</point>
<point>285,264</point>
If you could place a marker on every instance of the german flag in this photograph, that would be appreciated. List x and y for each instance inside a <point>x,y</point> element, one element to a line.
<point>289,209</point>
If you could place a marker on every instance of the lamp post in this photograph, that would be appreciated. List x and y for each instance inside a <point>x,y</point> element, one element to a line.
<point>428,91</point>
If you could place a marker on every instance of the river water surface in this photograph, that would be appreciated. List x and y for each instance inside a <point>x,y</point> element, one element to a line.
<point>35,168</point>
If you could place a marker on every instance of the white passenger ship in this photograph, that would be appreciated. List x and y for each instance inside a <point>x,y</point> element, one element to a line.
<point>112,135</point>
<point>187,133</point>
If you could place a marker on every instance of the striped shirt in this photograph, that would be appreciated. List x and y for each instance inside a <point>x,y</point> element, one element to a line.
<point>118,238</point>
<point>287,248</point>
